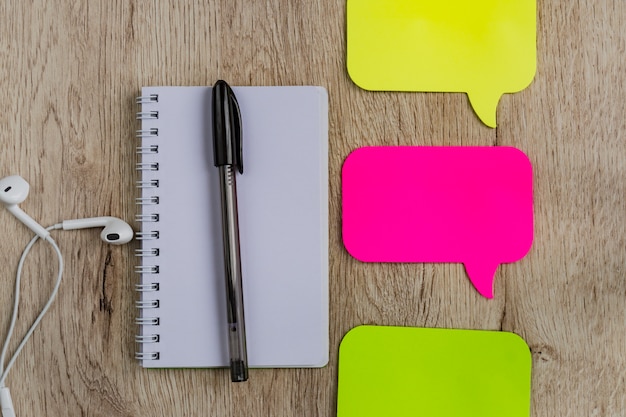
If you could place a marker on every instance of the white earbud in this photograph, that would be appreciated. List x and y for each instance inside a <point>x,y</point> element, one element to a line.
<point>13,191</point>
<point>116,231</point>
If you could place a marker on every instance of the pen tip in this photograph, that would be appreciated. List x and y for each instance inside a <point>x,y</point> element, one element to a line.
<point>238,371</point>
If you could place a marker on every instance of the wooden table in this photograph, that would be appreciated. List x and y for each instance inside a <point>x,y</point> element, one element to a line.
<point>69,72</point>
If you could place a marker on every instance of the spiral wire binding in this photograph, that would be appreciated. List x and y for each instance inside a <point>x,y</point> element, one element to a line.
<point>147,287</point>
<point>147,115</point>
<point>149,133</point>
<point>147,235</point>
<point>152,98</point>
<point>148,203</point>
<point>147,321</point>
<point>147,252</point>
<point>148,184</point>
<point>152,217</point>
<point>152,149</point>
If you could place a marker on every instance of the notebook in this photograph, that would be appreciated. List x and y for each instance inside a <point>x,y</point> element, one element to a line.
<point>283,218</point>
<point>406,372</point>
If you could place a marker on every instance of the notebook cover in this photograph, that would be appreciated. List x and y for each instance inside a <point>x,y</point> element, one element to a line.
<point>408,372</point>
<point>471,205</point>
<point>283,217</point>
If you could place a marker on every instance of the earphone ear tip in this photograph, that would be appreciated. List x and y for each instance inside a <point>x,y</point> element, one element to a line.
<point>118,233</point>
<point>121,239</point>
<point>13,190</point>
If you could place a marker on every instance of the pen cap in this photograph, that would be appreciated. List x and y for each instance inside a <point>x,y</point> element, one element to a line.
<point>227,136</point>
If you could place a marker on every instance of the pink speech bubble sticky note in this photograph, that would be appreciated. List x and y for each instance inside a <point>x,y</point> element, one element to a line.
<point>470,205</point>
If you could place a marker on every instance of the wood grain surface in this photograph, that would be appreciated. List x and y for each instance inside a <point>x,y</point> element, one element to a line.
<point>69,72</point>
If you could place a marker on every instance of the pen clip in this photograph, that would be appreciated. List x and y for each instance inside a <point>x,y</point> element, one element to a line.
<point>235,113</point>
<point>227,131</point>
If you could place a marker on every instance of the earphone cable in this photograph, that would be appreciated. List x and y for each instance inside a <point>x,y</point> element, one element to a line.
<point>4,371</point>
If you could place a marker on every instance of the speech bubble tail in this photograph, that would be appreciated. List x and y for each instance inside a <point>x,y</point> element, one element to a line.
<point>485,106</point>
<point>482,276</point>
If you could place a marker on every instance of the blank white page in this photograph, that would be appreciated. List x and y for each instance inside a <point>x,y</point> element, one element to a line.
<point>283,218</point>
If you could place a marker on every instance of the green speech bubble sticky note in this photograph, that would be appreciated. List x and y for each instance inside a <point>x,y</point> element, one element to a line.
<point>484,48</point>
<point>410,372</point>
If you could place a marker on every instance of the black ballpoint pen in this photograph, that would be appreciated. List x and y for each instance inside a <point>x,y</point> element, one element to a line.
<point>227,152</point>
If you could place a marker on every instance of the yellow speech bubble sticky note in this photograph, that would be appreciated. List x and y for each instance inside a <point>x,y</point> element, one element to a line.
<point>484,48</point>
